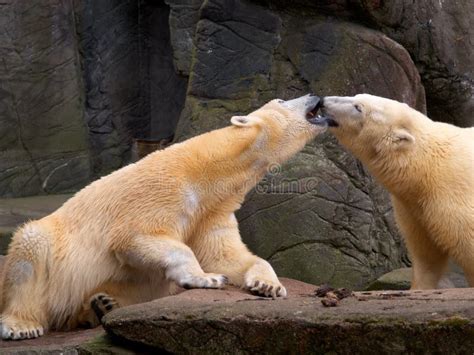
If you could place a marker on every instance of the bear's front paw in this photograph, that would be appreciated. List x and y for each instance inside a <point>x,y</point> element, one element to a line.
<point>16,329</point>
<point>267,288</point>
<point>204,281</point>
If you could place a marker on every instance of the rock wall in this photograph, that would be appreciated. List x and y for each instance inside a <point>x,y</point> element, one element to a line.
<point>110,52</point>
<point>44,142</point>
<point>438,34</point>
<point>79,80</point>
<point>131,87</point>
<point>440,37</point>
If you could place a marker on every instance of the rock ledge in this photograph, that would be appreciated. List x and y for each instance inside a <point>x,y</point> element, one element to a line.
<point>212,321</point>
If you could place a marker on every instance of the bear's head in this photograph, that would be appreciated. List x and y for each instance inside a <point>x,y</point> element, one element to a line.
<point>281,127</point>
<point>372,127</point>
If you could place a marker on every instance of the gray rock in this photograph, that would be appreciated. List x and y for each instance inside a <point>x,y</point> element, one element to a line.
<point>44,146</point>
<point>167,88</point>
<point>183,18</point>
<point>85,341</point>
<point>115,109</point>
<point>131,87</point>
<point>232,321</point>
<point>321,217</point>
<point>400,279</point>
<point>439,36</point>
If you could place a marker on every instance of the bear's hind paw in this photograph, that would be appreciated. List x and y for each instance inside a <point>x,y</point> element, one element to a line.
<point>102,303</point>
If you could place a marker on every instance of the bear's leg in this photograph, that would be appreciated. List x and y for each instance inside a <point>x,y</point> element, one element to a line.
<point>25,284</point>
<point>149,253</point>
<point>429,265</point>
<point>429,261</point>
<point>220,249</point>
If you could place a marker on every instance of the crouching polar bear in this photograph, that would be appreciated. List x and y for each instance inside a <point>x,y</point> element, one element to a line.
<point>169,218</point>
<point>427,166</point>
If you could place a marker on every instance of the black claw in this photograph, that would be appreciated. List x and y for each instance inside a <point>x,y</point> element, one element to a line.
<point>214,280</point>
<point>225,279</point>
<point>109,307</point>
<point>95,307</point>
<point>186,286</point>
<point>256,283</point>
<point>105,301</point>
<point>100,297</point>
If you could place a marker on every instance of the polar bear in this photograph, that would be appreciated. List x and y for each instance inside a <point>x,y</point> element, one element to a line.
<point>428,167</point>
<point>167,219</point>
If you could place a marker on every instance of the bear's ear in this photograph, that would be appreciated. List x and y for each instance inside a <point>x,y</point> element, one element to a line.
<point>402,138</point>
<point>243,121</point>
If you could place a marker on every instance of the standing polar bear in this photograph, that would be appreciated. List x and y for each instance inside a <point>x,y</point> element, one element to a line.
<point>427,166</point>
<point>168,218</point>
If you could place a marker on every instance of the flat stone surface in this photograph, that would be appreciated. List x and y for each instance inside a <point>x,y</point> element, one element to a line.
<point>16,211</point>
<point>54,341</point>
<point>230,320</point>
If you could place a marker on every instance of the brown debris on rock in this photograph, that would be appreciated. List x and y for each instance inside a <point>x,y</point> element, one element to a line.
<point>331,296</point>
<point>343,293</point>
<point>322,290</point>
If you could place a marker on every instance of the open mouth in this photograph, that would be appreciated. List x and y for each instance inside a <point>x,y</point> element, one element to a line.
<point>313,117</point>
<point>320,119</point>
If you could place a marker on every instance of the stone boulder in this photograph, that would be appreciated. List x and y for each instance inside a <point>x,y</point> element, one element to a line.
<point>400,279</point>
<point>321,217</point>
<point>438,34</point>
<point>233,321</point>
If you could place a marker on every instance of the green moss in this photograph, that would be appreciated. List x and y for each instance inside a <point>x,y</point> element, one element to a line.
<point>104,344</point>
<point>454,322</point>
<point>98,345</point>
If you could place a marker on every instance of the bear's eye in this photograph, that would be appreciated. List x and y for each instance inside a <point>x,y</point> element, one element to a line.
<point>358,108</point>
